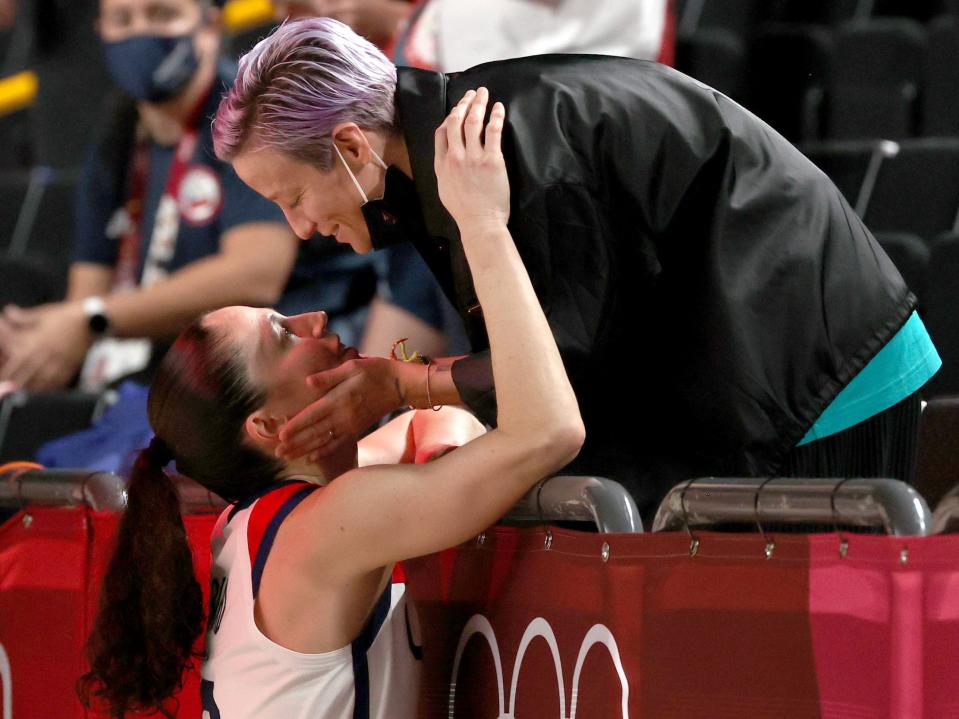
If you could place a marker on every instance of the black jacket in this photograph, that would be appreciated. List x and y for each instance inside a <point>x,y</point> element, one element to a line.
<point>708,287</point>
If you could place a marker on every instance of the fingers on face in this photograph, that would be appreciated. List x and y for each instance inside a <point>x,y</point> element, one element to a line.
<point>315,438</point>
<point>327,448</point>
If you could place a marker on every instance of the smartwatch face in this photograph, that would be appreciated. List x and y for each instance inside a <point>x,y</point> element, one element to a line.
<point>99,323</point>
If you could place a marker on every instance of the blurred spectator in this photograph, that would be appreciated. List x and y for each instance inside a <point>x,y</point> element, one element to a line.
<point>376,20</point>
<point>8,13</point>
<point>453,35</point>
<point>163,230</point>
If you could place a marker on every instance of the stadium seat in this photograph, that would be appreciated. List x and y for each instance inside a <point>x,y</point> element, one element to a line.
<point>27,284</point>
<point>29,420</point>
<point>821,12</point>
<point>921,10</point>
<point>877,71</point>
<point>715,57</point>
<point>45,224</point>
<point>734,16</point>
<point>789,65</point>
<point>13,189</point>
<point>73,81</point>
<point>940,97</point>
<point>942,299</point>
<point>6,36</point>
<point>238,43</point>
<point>15,141</point>
<point>852,165</point>
<point>911,255</point>
<point>937,463</point>
<point>917,189</point>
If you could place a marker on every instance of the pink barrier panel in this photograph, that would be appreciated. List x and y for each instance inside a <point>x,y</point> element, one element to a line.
<point>50,571</point>
<point>510,628</point>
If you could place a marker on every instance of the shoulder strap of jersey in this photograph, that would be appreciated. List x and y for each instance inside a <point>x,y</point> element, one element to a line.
<point>267,514</point>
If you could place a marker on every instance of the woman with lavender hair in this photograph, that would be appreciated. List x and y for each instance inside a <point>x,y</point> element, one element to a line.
<point>694,267</point>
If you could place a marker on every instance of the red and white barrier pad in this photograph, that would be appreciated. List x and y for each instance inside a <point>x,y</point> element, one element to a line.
<point>536,623</point>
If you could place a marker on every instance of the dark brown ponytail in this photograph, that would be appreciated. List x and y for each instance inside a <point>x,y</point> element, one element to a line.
<point>151,605</point>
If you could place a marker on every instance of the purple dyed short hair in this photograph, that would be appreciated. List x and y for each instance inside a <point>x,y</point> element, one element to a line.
<point>296,85</point>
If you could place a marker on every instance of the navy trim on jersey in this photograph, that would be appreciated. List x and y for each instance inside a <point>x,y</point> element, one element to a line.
<point>206,698</point>
<point>247,501</point>
<point>360,646</point>
<point>263,551</point>
<point>415,649</point>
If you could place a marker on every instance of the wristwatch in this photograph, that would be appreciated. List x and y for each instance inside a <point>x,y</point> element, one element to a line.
<point>95,311</point>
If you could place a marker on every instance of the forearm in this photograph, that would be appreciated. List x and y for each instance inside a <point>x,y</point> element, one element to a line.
<point>87,279</point>
<point>394,12</point>
<point>533,393</point>
<point>165,307</point>
<point>422,391</point>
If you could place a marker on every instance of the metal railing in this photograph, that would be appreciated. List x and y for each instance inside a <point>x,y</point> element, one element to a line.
<point>579,499</point>
<point>886,504</point>
<point>24,486</point>
<point>20,487</point>
<point>588,499</point>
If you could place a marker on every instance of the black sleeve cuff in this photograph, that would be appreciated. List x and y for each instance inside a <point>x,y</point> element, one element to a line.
<point>473,377</point>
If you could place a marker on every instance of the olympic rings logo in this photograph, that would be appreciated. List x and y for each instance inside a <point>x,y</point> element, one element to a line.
<point>539,627</point>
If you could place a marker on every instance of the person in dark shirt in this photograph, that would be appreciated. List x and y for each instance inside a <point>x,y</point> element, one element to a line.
<point>719,307</point>
<point>164,230</point>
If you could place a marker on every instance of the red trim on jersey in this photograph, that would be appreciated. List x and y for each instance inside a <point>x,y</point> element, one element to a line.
<point>667,51</point>
<point>263,512</point>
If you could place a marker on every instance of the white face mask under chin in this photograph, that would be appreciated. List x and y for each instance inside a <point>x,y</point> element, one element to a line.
<point>356,183</point>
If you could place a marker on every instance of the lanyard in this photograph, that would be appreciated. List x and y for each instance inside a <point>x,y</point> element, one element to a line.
<point>160,249</point>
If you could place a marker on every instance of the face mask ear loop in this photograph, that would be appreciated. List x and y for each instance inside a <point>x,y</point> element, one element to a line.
<point>350,173</point>
<point>379,159</point>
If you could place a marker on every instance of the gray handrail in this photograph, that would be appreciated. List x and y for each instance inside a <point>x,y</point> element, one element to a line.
<point>589,499</point>
<point>97,490</point>
<point>579,499</point>
<point>889,504</point>
<point>62,488</point>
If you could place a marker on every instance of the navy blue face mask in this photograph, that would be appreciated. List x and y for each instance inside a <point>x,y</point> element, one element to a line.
<point>152,68</point>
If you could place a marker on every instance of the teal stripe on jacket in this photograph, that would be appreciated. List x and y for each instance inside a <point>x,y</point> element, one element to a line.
<point>900,368</point>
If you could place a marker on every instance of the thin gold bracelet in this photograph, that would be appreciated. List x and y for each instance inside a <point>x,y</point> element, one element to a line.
<point>400,344</point>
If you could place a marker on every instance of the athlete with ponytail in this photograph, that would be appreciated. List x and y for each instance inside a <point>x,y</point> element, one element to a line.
<point>304,621</point>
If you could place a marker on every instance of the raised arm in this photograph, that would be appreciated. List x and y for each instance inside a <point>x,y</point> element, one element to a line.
<point>382,514</point>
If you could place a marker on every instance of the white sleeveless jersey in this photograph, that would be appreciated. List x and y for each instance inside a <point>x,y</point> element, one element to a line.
<point>247,675</point>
